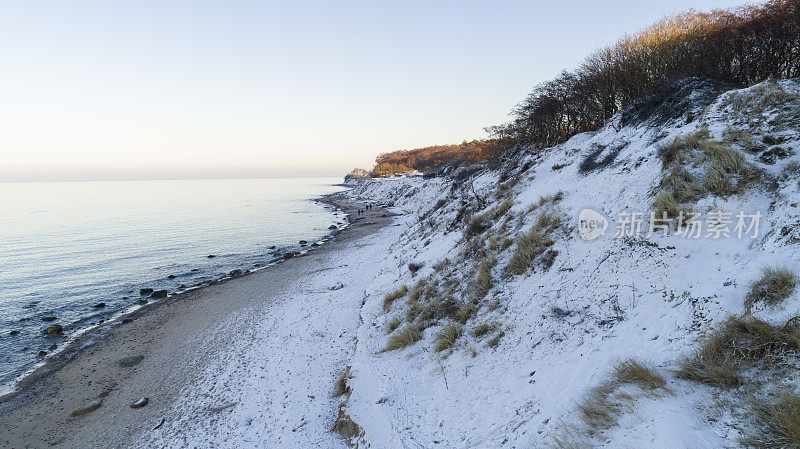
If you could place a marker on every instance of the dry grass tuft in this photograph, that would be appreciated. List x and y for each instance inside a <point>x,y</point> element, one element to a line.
<point>633,372</point>
<point>501,209</point>
<point>346,427</point>
<point>737,345</point>
<point>605,403</point>
<point>393,324</point>
<point>535,242</point>
<point>480,330</point>
<point>665,205</point>
<point>778,424</point>
<point>340,387</point>
<point>403,338</point>
<point>447,337</point>
<point>392,296</point>
<point>478,224</point>
<point>775,285</point>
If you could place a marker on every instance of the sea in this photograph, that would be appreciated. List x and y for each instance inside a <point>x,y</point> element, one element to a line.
<point>76,254</point>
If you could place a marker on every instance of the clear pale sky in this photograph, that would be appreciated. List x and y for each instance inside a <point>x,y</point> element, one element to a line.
<point>173,89</point>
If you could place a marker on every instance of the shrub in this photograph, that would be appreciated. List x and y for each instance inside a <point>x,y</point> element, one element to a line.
<point>392,296</point>
<point>447,337</point>
<point>737,345</point>
<point>775,285</point>
<point>340,387</point>
<point>404,337</point>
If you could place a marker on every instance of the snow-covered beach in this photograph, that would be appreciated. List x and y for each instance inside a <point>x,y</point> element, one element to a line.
<point>288,326</point>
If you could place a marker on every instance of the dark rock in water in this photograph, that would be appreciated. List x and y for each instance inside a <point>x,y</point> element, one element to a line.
<point>140,403</point>
<point>182,286</point>
<point>145,291</point>
<point>336,287</point>
<point>141,302</point>
<point>48,318</point>
<point>211,256</point>
<point>42,353</point>
<point>256,265</point>
<point>99,305</point>
<point>288,256</point>
<point>171,276</point>
<point>315,244</point>
<point>272,247</point>
<point>26,348</point>
<point>303,242</point>
<point>131,360</point>
<point>53,347</point>
<point>24,319</point>
<point>127,320</point>
<point>235,273</point>
<point>194,270</point>
<point>54,329</point>
<point>333,227</point>
<point>159,294</point>
<point>125,297</point>
<point>87,409</point>
<point>14,333</point>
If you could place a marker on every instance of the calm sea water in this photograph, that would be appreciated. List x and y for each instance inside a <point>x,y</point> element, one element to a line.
<point>67,247</point>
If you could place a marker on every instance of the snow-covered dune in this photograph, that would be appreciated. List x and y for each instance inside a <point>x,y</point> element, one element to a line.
<point>556,333</point>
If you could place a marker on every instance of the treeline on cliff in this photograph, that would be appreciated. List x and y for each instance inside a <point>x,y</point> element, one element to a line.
<point>741,47</point>
<point>424,159</point>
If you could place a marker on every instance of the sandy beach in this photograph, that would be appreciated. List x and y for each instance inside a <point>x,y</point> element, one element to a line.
<point>163,349</point>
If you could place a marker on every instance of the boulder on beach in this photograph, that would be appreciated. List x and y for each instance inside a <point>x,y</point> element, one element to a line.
<point>87,409</point>
<point>54,329</point>
<point>288,256</point>
<point>140,403</point>
<point>159,294</point>
<point>333,227</point>
<point>131,360</point>
<point>141,302</point>
<point>42,353</point>
<point>235,273</point>
<point>145,291</point>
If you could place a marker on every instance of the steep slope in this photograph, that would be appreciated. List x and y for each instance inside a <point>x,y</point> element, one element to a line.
<point>508,329</point>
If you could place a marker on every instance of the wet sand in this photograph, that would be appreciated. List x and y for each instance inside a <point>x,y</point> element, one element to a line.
<point>177,338</point>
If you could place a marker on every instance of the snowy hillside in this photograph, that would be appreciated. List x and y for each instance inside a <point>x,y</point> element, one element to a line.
<point>492,323</point>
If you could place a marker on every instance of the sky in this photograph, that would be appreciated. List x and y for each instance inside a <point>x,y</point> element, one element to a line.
<point>183,89</point>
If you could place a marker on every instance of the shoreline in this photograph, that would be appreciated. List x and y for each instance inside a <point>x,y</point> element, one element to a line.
<point>56,380</point>
<point>79,339</point>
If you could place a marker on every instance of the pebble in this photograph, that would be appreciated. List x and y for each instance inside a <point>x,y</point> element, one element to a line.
<point>140,403</point>
<point>87,409</point>
<point>131,360</point>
